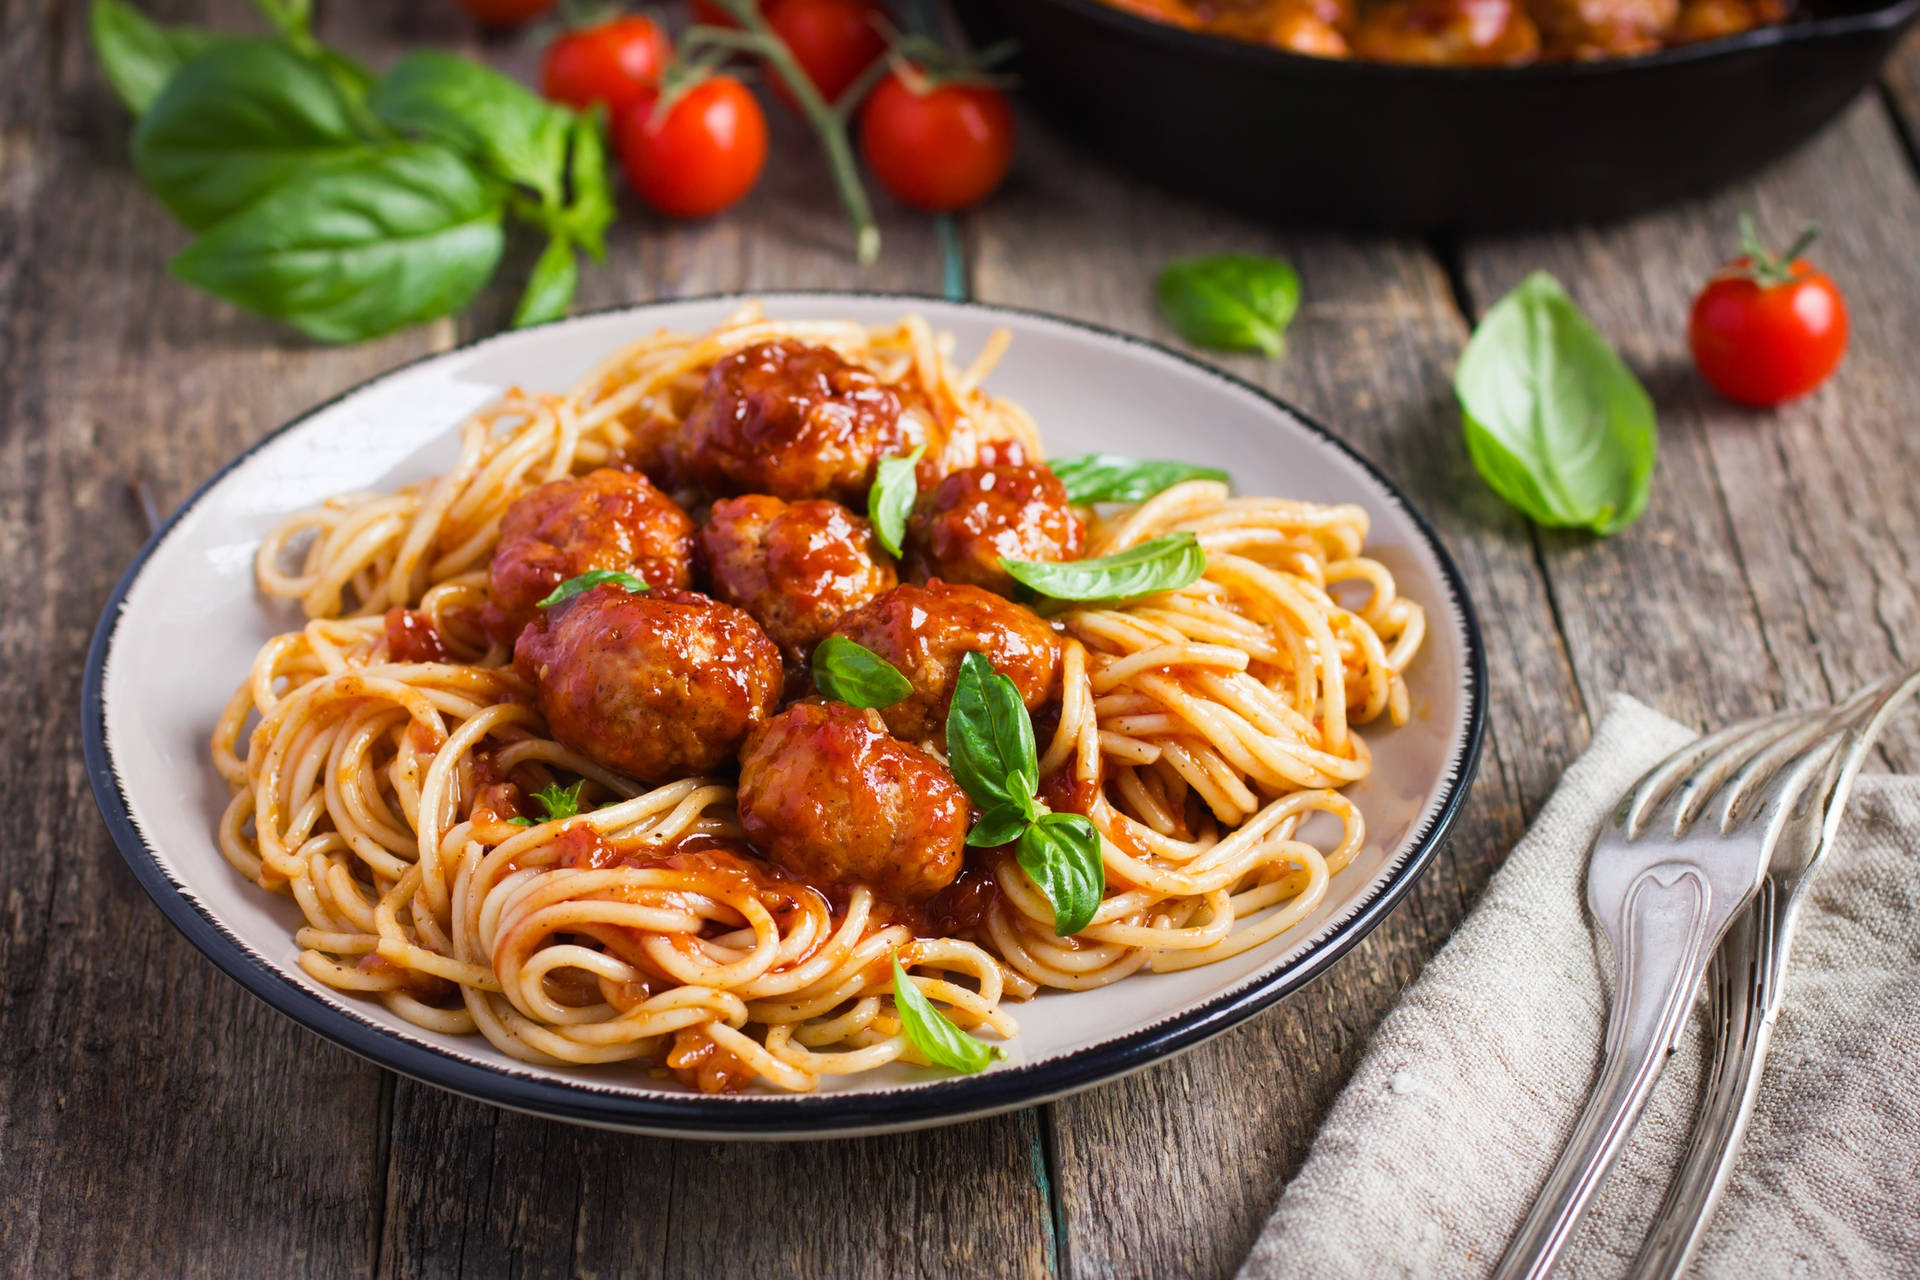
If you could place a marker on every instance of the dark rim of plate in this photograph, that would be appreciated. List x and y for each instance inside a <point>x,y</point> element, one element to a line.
<point>1797,27</point>
<point>940,1100</point>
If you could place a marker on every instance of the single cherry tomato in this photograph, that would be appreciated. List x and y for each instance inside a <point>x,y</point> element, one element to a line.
<point>1768,328</point>
<point>505,13</point>
<point>701,154</point>
<point>834,41</point>
<point>939,147</point>
<point>614,62</point>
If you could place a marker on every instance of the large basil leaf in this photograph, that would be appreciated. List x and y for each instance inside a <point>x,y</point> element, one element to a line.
<point>1109,477</point>
<point>587,581</point>
<point>1061,854</point>
<point>847,671</point>
<point>1555,422</point>
<point>139,55</point>
<point>235,123</point>
<point>479,113</point>
<point>405,233</point>
<point>1166,563</point>
<point>1231,301</point>
<point>890,499</point>
<point>990,743</point>
<point>933,1033</point>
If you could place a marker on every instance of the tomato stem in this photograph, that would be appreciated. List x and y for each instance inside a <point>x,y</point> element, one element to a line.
<point>1765,268</point>
<point>757,37</point>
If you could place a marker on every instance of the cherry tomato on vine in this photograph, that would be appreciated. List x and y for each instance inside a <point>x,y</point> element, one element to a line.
<point>834,41</point>
<point>700,155</point>
<point>940,145</point>
<point>614,62</point>
<point>505,13</point>
<point>1767,327</point>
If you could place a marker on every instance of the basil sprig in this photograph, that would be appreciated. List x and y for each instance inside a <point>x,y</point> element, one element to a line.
<point>890,500</point>
<point>344,204</point>
<point>847,671</point>
<point>556,801</point>
<point>1109,477</point>
<point>588,581</point>
<point>933,1033</point>
<point>1166,563</point>
<point>1231,301</point>
<point>1555,421</point>
<point>990,748</point>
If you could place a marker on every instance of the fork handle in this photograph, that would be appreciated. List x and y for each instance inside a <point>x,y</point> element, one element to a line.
<point>1662,946</point>
<point>1746,987</point>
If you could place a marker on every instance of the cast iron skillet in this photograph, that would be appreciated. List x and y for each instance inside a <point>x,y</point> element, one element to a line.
<point>1437,148</point>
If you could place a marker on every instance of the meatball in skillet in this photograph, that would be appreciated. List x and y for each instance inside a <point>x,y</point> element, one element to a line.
<point>926,631</point>
<point>977,515</point>
<point>658,684</point>
<point>796,567</point>
<point>796,422</point>
<point>605,519</point>
<point>827,794</point>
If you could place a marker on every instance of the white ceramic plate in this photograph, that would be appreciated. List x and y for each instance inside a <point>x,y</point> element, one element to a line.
<point>185,621</point>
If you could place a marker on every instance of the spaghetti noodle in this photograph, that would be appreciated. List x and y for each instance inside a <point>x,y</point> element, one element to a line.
<point>1201,728</point>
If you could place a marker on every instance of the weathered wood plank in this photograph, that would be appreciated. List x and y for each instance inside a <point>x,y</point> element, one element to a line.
<point>563,1201</point>
<point>1777,560</point>
<point>1172,1171</point>
<point>154,1119</point>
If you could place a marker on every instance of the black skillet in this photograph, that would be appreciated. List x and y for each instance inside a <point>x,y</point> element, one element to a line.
<point>1437,148</point>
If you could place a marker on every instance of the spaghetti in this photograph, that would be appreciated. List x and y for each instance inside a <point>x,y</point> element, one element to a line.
<point>1201,728</point>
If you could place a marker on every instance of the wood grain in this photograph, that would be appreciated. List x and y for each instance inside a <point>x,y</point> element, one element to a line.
<point>1172,1171</point>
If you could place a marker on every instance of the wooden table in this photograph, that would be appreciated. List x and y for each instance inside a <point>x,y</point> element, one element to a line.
<point>155,1120</point>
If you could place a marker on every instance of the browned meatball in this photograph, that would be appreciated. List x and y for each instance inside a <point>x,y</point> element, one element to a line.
<point>605,519</point>
<point>797,568</point>
<point>1602,28</point>
<point>659,684</point>
<point>796,422</point>
<point>979,514</point>
<point>926,631</point>
<point>1458,33</point>
<point>825,793</point>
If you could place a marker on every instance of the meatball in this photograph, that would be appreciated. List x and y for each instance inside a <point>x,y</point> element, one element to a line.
<point>1603,28</point>
<point>797,568</point>
<point>796,422</point>
<point>605,519</point>
<point>979,514</point>
<point>1461,33</point>
<point>658,684</point>
<point>926,631</point>
<point>825,793</point>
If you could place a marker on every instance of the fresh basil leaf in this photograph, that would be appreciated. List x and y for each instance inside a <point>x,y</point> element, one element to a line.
<point>291,18</point>
<point>139,55</point>
<point>589,210</point>
<point>559,802</point>
<point>933,1033</point>
<point>890,500</point>
<point>519,822</point>
<point>990,745</point>
<point>550,287</point>
<point>1555,421</point>
<point>847,671</point>
<point>476,111</point>
<point>1001,826</point>
<point>588,581</point>
<point>1231,301</point>
<point>237,122</point>
<point>1061,855</point>
<point>1109,477</point>
<point>407,233</point>
<point>1166,563</point>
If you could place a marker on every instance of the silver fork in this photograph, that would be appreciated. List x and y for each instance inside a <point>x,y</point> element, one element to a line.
<point>1744,993</point>
<point>1684,854</point>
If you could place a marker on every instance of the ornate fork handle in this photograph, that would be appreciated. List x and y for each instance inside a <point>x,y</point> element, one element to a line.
<point>1670,922</point>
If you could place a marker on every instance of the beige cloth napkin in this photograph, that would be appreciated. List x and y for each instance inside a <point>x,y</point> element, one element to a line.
<point>1431,1157</point>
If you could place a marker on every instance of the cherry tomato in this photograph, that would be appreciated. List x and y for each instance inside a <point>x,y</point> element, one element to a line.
<point>614,62</point>
<point>700,155</point>
<point>834,41</point>
<point>1759,341</point>
<point>947,148</point>
<point>505,13</point>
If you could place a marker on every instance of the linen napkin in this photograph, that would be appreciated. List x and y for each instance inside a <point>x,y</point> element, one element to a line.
<point>1433,1153</point>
